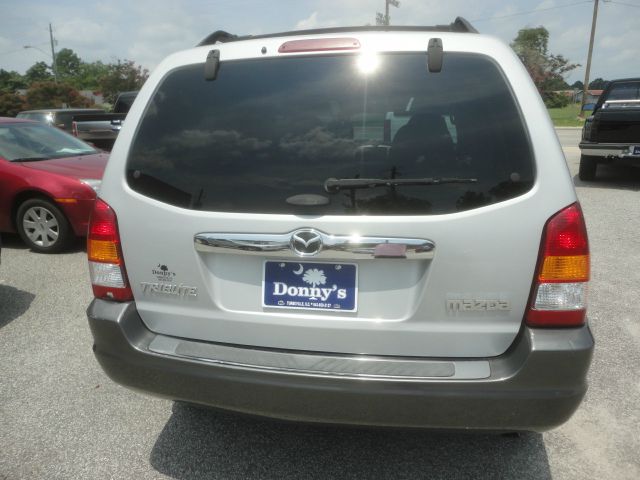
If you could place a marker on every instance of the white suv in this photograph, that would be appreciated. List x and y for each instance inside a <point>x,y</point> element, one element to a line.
<point>353,225</point>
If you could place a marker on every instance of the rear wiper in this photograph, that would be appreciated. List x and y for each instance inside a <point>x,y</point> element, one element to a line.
<point>29,159</point>
<point>333,185</point>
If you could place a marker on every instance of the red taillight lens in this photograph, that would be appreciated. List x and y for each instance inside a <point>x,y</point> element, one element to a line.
<point>558,297</point>
<point>566,233</point>
<point>106,264</point>
<point>104,225</point>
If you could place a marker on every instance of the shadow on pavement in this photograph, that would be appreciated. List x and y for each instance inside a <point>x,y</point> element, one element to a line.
<point>198,443</point>
<point>13,303</point>
<point>13,241</point>
<point>613,176</point>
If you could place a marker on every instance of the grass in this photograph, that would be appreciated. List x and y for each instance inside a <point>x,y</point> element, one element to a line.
<point>567,116</point>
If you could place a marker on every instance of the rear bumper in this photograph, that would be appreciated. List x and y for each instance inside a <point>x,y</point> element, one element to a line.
<point>536,385</point>
<point>609,150</point>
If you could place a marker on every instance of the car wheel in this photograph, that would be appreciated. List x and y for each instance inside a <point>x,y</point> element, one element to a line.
<point>42,226</point>
<point>588,166</point>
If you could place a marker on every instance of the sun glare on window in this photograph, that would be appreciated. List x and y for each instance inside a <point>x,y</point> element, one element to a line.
<point>368,62</point>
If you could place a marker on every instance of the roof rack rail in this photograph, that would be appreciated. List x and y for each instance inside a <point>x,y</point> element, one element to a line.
<point>459,25</point>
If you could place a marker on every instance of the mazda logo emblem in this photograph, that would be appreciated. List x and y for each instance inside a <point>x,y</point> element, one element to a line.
<point>306,242</point>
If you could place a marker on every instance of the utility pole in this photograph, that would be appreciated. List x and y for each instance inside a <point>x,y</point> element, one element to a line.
<point>54,68</point>
<point>385,19</point>
<point>588,69</point>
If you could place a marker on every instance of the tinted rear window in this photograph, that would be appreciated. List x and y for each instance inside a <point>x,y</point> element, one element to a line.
<point>269,129</point>
<point>625,91</point>
<point>124,102</point>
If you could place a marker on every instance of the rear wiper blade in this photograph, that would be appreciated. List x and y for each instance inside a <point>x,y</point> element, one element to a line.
<point>333,185</point>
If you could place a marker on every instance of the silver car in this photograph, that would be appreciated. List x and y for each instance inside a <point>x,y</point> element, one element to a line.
<point>368,226</point>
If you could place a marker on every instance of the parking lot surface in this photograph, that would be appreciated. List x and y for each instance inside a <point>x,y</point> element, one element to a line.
<point>61,417</point>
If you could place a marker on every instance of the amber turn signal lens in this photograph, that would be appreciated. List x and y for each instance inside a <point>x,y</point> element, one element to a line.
<point>102,251</point>
<point>565,268</point>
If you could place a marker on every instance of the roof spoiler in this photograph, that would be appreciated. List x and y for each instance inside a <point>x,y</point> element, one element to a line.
<point>459,25</point>
<point>463,25</point>
<point>219,36</point>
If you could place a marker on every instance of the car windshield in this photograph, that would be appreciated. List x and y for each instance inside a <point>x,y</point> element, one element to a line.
<point>267,131</point>
<point>33,141</point>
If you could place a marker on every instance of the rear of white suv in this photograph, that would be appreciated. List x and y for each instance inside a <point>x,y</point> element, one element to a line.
<point>367,226</point>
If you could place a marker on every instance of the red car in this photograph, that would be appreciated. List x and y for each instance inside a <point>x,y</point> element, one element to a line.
<point>48,183</point>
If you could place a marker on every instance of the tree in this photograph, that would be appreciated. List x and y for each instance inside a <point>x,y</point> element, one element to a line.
<point>54,95</point>
<point>598,84</point>
<point>546,70</point>
<point>89,76</point>
<point>11,81</point>
<point>38,72</point>
<point>67,63</point>
<point>122,76</point>
<point>11,104</point>
<point>577,85</point>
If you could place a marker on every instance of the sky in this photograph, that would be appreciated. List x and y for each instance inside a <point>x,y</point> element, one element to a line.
<point>146,31</point>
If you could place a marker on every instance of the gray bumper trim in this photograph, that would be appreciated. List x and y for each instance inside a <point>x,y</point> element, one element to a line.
<point>536,385</point>
<point>619,150</point>
<point>354,366</point>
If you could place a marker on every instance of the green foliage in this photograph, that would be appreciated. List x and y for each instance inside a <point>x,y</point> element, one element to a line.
<point>89,75</point>
<point>54,95</point>
<point>598,84</point>
<point>557,83</point>
<point>73,75</point>
<point>11,104</point>
<point>67,64</point>
<point>577,85</point>
<point>38,72</point>
<point>556,100</point>
<point>122,76</point>
<point>546,70</point>
<point>11,81</point>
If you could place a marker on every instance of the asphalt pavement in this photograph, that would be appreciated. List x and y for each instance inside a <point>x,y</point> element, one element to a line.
<point>62,418</point>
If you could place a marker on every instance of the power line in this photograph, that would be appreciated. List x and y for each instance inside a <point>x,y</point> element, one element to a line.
<point>12,51</point>
<point>623,3</point>
<point>530,11</point>
<point>21,49</point>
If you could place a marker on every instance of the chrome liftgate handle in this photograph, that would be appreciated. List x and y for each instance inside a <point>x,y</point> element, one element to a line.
<point>314,243</point>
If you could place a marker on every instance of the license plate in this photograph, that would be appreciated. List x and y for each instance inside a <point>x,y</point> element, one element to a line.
<point>310,286</point>
<point>636,150</point>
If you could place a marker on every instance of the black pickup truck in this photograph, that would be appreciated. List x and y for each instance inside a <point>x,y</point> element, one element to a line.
<point>101,129</point>
<point>612,133</point>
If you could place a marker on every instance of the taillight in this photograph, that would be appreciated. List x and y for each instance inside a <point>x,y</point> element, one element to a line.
<point>106,264</point>
<point>558,297</point>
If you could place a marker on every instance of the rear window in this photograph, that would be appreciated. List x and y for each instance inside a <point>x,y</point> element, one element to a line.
<point>625,91</point>
<point>267,131</point>
<point>124,102</point>
<point>38,116</point>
